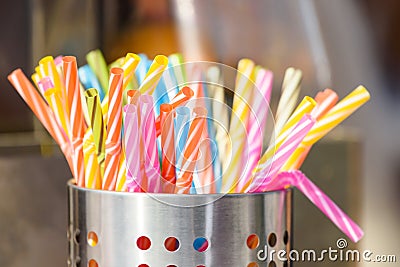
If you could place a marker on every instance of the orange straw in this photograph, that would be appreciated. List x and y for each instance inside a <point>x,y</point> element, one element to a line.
<point>168,148</point>
<point>114,118</point>
<point>190,152</point>
<point>42,111</point>
<point>181,97</point>
<point>76,119</point>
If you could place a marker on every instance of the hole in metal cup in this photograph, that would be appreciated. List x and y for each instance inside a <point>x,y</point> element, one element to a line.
<point>200,244</point>
<point>143,265</point>
<point>171,244</point>
<point>252,264</point>
<point>93,263</point>
<point>92,239</point>
<point>143,243</point>
<point>272,264</point>
<point>286,237</point>
<point>253,241</point>
<point>272,239</point>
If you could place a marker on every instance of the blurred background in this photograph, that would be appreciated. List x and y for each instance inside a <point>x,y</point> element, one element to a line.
<point>338,44</point>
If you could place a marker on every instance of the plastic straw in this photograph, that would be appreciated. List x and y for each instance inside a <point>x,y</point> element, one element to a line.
<point>181,98</point>
<point>89,80</point>
<point>153,75</point>
<point>330,120</point>
<point>152,163</point>
<point>319,199</point>
<point>92,169</point>
<point>256,125</point>
<point>43,112</point>
<point>97,125</point>
<point>53,97</point>
<point>178,68</point>
<point>48,67</point>
<point>326,100</point>
<point>98,64</point>
<point>168,148</point>
<point>237,130</point>
<point>189,156</point>
<point>113,139</point>
<point>131,62</point>
<point>272,167</point>
<point>132,145</point>
<point>288,100</point>
<point>76,119</point>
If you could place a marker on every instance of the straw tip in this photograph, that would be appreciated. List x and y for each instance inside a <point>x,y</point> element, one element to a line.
<point>362,89</point>
<point>161,60</point>
<point>69,59</point>
<point>116,71</point>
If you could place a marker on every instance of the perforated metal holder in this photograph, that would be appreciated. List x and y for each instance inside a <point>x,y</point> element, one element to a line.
<point>115,229</point>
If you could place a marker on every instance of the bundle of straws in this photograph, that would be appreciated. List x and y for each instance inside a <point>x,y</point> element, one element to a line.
<point>139,126</point>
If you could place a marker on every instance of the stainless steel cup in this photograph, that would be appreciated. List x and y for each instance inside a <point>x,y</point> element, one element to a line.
<point>114,229</point>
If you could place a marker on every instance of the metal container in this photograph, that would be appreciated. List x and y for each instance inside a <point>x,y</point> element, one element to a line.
<point>116,229</point>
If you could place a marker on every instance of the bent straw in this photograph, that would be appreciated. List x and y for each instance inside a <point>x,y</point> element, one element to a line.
<point>330,120</point>
<point>132,146</point>
<point>319,199</point>
<point>272,167</point>
<point>113,139</point>
<point>76,119</point>
<point>43,112</point>
<point>154,74</point>
<point>257,120</point>
<point>189,156</point>
<point>181,98</point>
<point>237,129</point>
<point>167,148</point>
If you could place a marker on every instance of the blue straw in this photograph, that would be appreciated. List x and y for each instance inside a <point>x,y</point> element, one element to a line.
<point>89,80</point>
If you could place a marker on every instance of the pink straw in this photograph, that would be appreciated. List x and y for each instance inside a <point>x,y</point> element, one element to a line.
<point>152,162</point>
<point>256,124</point>
<point>132,143</point>
<point>275,163</point>
<point>319,199</point>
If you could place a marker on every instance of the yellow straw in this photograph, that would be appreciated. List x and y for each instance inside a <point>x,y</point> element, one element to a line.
<point>53,97</point>
<point>330,120</point>
<point>92,170</point>
<point>237,130</point>
<point>154,74</point>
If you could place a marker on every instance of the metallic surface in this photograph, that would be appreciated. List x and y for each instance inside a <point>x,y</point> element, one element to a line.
<point>226,221</point>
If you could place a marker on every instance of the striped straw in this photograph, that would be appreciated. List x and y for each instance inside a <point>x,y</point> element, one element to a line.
<point>189,156</point>
<point>319,199</point>
<point>130,64</point>
<point>43,112</point>
<point>271,168</point>
<point>154,74</point>
<point>329,121</point>
<point>237,130</point>
<point>132,145</point>
<point>76,119</point>
<point>181,98</point>
<point>152,163</point>
<point>97,125</point>
<point>113,139</point>
<point>92,168</point>
<point>121,179</point>
<point>256,125</point>
<point>178,68</point>
<point>48,68</point>
<point>326,100</point>
<point>288,100</point>
<point>53,97</point>
<point>98,64</point>
<point>168,148</point>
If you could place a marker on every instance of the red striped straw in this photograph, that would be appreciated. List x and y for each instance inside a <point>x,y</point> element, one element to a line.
<point>181,98</point>
<point>191,151</point>
<point>76,119</point>
<point>113,140</point>
<point>42,111</point>
<point>167,148</point>
<point>152,163</point>
<point>132,146</point>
